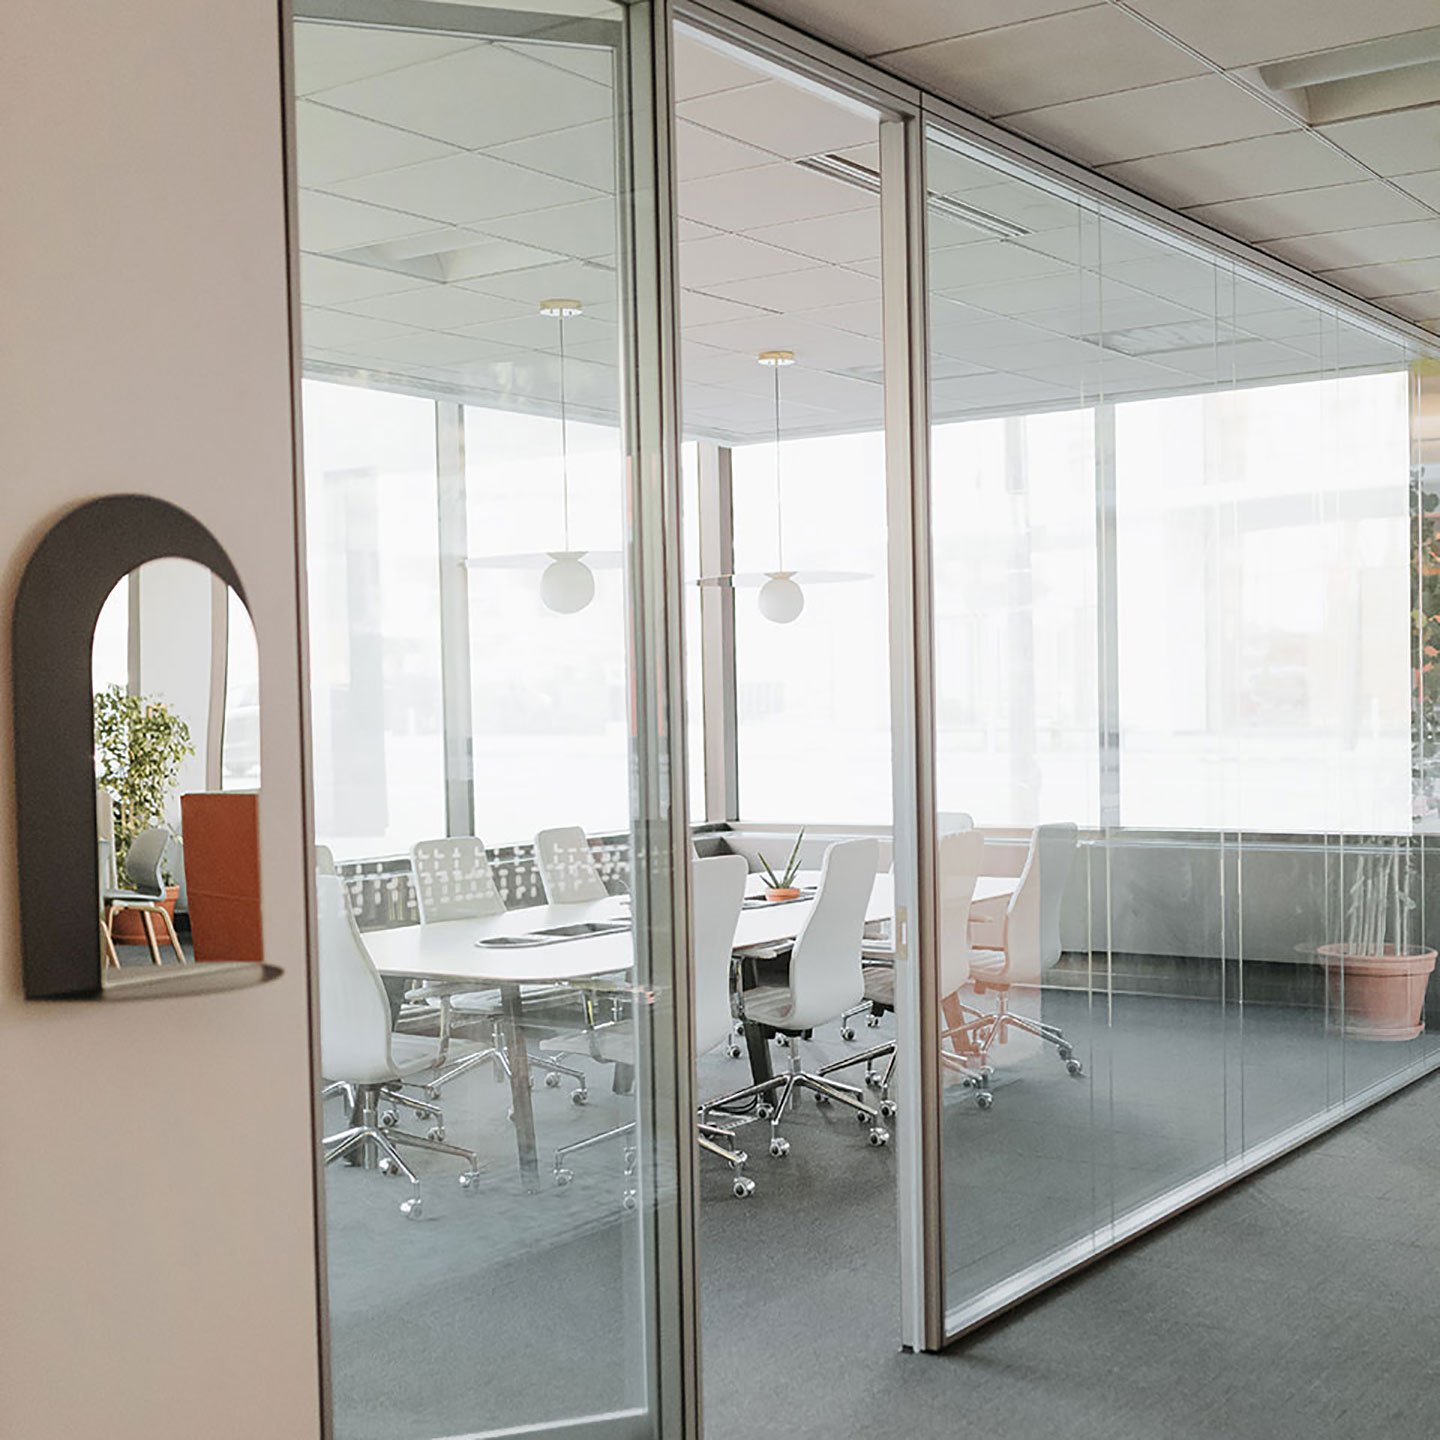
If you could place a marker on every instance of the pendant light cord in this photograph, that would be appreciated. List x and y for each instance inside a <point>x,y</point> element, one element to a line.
<point>779,514</point>
<point>564,447</point>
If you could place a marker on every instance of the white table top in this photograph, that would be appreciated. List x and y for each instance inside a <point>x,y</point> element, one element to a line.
<point>447,950</point>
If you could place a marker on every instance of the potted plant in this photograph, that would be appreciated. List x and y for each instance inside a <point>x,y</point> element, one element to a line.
<point>140,743</point>
<point>782,886</point>
<point>1377,977</point>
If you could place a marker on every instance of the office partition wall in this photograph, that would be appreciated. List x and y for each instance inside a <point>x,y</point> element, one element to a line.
<point>1177,525</point>
<point>493,496</point>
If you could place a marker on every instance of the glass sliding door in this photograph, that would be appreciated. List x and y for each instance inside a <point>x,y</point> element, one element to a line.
<point>1181,544</point>
<point>492,485</point>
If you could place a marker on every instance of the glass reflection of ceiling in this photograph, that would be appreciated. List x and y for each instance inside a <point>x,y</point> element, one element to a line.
<point>449,184</point>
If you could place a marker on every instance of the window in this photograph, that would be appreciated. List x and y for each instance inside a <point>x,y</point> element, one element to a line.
<point>550,743</point>
<point>374,604</point>
<point>814,694</point>
<point>1264,596</point>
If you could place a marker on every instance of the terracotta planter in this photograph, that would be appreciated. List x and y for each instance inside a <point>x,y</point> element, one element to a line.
<point>787,892</point>
<point>1380,997</point>
<point>129,929</point>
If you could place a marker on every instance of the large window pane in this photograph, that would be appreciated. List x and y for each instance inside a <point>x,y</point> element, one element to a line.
<point>374,601</point>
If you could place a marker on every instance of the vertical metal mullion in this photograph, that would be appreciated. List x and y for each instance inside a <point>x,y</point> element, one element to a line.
<point>660,833</point>
<point>453,544</point>
<point>912,728</point>
<point>1107,616</point>
<point>717,635</point>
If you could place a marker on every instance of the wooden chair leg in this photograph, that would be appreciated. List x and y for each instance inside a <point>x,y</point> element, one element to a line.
<point>107,946</point>
<point>147,919</point>
<point>170,934</point>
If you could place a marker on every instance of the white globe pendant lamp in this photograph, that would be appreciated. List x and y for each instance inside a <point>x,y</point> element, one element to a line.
<point>781,599</point>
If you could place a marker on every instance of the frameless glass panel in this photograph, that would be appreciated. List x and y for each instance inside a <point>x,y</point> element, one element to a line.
<point>491,731</point>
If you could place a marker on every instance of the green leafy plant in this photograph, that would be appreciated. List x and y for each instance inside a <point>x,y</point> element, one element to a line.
<point>140,743</point>
<point>787,876</point>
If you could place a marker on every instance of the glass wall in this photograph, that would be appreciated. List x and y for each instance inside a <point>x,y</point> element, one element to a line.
<point>501,1112</point>
<point>1175,534</point>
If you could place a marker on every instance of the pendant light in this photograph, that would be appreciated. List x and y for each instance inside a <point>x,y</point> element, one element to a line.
<point>567,582</point>
<point>781,599</point>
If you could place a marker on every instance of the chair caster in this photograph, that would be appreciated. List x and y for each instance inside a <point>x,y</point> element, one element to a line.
<point>411,1208</point>
<point>879,1136</point>
<point>630,1200</point>
<point>564,1177</point>
<point>872,1080</point>
<point>435,1132</point>
<point>388,1118</point>
<point>984,1099</point>
<point>846,1033</point>
<point>821,1098</point>
<point>1064,1051</point>
<point>887,1110</point>
<point>742,1187</point>
<point>388,1167</point>
<point>1074,1067</point>
<point>764,1111</point>
<point>552,1080</point>
<point>431,1092</point>
<point>733,1050</point>
<point>863,1117</point>
<point>779,1147</point>
<point>579,1097</point>
<point>873,1021</point>
<point>737,1159</point>
<point>470,1180</point>
<point>783,1041</point>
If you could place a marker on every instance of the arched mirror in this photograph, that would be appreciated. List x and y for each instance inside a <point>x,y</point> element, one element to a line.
<point>138,759</point>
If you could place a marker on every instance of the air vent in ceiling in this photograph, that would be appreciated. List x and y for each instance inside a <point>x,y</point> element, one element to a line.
<point>1148,340</point>
<point>851,172</point>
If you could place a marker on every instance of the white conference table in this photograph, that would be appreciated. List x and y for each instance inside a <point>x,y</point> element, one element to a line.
<point>453,951</point>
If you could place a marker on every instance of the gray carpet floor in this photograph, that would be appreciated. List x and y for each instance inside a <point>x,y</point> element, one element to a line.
<point>1298,1303</point>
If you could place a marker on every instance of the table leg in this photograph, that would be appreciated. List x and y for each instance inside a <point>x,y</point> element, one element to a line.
<point>520,1097</point>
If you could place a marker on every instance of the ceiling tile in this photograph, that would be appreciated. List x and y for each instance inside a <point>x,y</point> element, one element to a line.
<point>324,281</point>
<point>1394,144</point>
<point>859,317</point>
<point>700,152</point>
<point>1243,32</point>
<point>586,231</point>
<point>698,309</point>
<point>1404,277</point>
<point>801,290</point>
<point>987,262</point>
<point>1380,244</point>
<point>782,118</point>
<point>330,222</point>
<point>437,307</point>
<point>1269,165</point>
<point>591,285</point>
<point>1181,114</point>
<point>749,199</point>
<point>1422,307</point>
<point>865,28</point>
<point>477,97</point>
<point>332,145</point>
<point>705,264</point>
<point>462,188</point>
<point>1425,186</point>
<point>1045,62</point>
<point>837,239</point>
<point>814,345</point>
<point>327,55</point>
<point>1312,212</point>
<point>704,66</point>
<point>333,330</point>
<point>584,154</point>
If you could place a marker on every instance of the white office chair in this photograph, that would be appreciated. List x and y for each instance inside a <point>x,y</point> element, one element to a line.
<point>825,980</point>
<point>961,858</point>
<point>359,1051</point>
<point>719,892</point>
<point>452,880</point>
<point>325,861</point>
<point>567,867</point>
<point>1031,939</point>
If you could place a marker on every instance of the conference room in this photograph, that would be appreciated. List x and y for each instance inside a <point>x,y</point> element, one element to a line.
<point>953,821</point>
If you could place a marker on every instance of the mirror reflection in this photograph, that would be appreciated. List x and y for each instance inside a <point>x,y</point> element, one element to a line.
<point>175,677</point>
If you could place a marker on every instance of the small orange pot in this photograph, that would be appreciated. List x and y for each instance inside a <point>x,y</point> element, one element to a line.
<point>1379,997</point>
<point>786,892</point>
<point>128,928</point>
